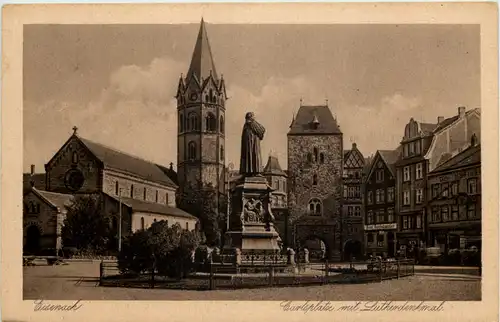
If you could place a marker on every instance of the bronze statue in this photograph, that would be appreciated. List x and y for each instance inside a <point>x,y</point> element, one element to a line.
<point>253,133</point>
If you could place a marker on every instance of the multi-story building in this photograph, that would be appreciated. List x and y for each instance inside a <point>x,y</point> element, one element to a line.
<point>454,205</point>
<point>315,162</point>
<point>380,200</point>
<point>424,147</point>
<point>352,203</point>
<point>201,97</point>
<point>277,179</point>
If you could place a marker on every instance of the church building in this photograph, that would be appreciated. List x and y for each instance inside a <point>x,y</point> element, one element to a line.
<point>315,163</point>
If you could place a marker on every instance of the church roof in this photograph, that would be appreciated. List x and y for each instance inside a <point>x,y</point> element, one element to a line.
<point>56,200</point>
<point>304,122</point>
<point>202,62</point>
<point>155,208</point>
<point>273,167</point>
<point>468,157</point>
<point>117,160</point>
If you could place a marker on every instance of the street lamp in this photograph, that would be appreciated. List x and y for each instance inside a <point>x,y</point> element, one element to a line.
<point>120,220</point>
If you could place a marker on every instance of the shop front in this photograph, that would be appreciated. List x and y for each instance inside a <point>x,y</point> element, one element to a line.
<point>380,240</point>
<point>458,235</point>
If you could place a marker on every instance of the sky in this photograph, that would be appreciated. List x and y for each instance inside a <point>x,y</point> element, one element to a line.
<point>117,83</point>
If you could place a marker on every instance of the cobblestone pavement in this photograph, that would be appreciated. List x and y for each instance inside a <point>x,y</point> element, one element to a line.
<point>78,280</point>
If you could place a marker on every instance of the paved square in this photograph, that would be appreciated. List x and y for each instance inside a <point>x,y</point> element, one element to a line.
<point>78,280</point>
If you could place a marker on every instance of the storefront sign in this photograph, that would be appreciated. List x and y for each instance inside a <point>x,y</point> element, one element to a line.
<point>381,226</point>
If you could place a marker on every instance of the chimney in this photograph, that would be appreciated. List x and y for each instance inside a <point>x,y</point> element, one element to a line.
<point>461,111</point>
<point>440,119</point>
<point>171,166</point>
<point>32,169</point>
<point>354,145</point>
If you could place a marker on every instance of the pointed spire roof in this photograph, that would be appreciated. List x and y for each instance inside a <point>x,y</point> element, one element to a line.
<point>202,63</point>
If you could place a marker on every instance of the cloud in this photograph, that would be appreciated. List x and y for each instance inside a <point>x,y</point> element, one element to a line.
<point>136,113</point>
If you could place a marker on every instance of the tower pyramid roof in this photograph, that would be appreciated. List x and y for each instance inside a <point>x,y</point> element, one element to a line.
<point>202,63</point>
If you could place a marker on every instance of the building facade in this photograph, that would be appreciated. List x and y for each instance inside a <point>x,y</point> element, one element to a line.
<point>201,98</point>
<point>424,147</point>
<point>315,167</point>
<point>454,205</point>
<point>380,204</point>
<point>352,205</point>
<point>277,180</point>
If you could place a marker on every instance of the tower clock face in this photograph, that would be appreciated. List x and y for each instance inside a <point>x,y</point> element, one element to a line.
<point>74,179</point>
<point>193,96</point>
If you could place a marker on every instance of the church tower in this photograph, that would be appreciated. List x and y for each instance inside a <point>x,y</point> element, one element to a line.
<point>201,97</point>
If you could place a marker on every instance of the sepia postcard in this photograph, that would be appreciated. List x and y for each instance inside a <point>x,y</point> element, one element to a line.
<point>231,162</point>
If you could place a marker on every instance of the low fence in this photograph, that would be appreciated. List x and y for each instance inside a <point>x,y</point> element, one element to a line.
<point>248,275</point>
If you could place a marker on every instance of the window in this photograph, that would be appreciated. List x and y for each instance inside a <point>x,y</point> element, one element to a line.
<point>412,148</point>
<point>315,206</point>
<point>321,158</point>
<point>471,211</point>
<point>380,216</point>
<point>419,196</point>
<point>166,198</point>
<point>370,197</point>
<point>419,174</point>
<point>463,212</point>
<point>436,215</point>
<point>145,193</point>
<point>222,152</point>
<point>315,180</point>
<point>417,147</point>
<point>369,237</point>
<point>435,190</point>
<point>380,175</point>
<point>193,124</point>
<point>357,211</point>
<point>117,188</point>
<point>350,211</point>
<point>419,221</point>
<point>187,225</point>
<point>390,215</point>
<point>390,194</point>
<point>350,192</point>
<point>191,150</point>
<point>345,192</point>
<point>156,196</point>
<point>181,122</point>
<point>406,198</point>
<point>142,223</point>
<point>221,125</point>
<point>315,154</point>
<point>380,240</point>
<point>405,150</point>
<point>454,188</point>
<point>357,192</point>
<point>472,186</point>
<point>406,173</point>
<point>454,212</point>
<point>405,222</point>
<point>444,213</point>
<point>444,189</point>
<point>369,217</point>
<point>410,222</point>
<point>75,157</point>
<point>131,191</point>
<point>210,122</point>
<point>377,196</point>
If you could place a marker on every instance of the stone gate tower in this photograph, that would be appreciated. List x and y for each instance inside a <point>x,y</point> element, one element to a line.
<point>315,162</point>
<point>201,97</point>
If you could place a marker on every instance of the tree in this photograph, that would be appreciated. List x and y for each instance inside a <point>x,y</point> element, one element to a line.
<point>168,250</point>
<point>86,227</point>
<point>202,203</point>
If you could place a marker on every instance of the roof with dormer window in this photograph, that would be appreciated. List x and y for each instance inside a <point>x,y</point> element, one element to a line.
<point>314,120</point>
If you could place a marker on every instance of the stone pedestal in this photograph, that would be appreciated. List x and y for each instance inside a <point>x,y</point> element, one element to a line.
<point>251,226</point>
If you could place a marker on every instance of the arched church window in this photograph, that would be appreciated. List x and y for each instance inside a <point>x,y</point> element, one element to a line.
<point>193,122</point>
<point>315,154</point>
<point>132,191</point>
<point>117,188</point>
<point>75,157</point>
<point>142,223</point>
<point>212,98</point>
<point>145,193</point>
<point>321,158</point>
<point>211,123</point>
<point>221,125</point>
<point>222,152</point>
<point>315,207</point>
<point>181,123</point>
<point>191,150</point>
<point>315,180</point>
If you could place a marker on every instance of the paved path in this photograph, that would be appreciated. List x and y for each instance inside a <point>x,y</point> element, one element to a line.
<point>79,281</point>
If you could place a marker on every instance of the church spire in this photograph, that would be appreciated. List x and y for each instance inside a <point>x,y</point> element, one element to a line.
<point>202,63</point>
